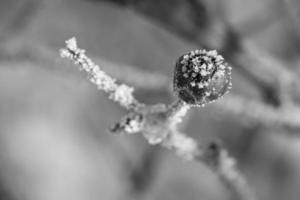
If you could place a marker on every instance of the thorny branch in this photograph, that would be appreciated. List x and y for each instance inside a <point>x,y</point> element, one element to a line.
<point>158,124</point>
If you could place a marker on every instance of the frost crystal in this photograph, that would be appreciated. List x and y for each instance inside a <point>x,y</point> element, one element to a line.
<point>119,93</point>
<point>184,146</point>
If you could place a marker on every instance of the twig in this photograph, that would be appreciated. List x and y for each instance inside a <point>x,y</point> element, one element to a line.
<point>219,160</point>
<point>154,123</point>
<point>119,93</point>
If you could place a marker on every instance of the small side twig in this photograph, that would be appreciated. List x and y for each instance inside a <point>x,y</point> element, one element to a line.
<point>119,93</point>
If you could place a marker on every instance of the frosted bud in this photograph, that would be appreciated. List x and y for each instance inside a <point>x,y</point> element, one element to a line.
<point>201,77</point>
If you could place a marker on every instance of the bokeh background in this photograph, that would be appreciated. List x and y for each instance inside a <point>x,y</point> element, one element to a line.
<point>54,138</point>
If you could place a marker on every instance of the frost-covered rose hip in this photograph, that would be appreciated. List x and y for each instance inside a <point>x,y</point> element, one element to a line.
<point>201,77</point>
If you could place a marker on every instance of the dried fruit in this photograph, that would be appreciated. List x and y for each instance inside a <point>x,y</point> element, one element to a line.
<point>201,77</point>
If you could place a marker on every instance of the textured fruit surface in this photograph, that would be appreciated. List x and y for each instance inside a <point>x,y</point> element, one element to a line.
<point>201,77</point>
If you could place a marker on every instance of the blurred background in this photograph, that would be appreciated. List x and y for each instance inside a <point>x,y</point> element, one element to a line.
<point>54,138</point>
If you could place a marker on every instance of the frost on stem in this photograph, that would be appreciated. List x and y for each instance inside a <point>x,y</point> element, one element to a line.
<point>201,77</point>
<point>133,122</point>
<point>215,156</point>
<point>185,147</point>
<point>119,93</point>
